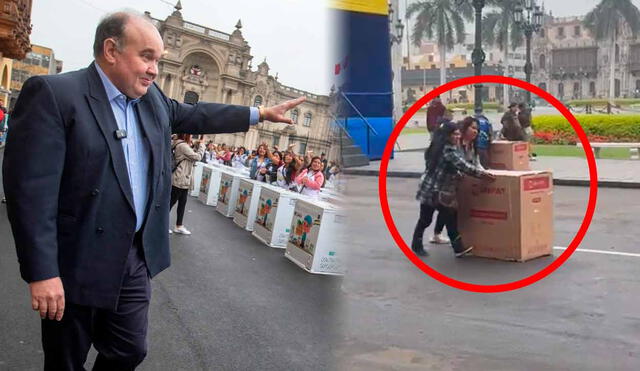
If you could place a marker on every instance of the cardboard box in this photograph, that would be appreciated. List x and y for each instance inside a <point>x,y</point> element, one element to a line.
<point>315,242</point>
<point>509,219</point>
<point>507,155</point>
<point>209,185</point>
<point>247,203</point>
<point>228,194</point>
<point>273,217</point>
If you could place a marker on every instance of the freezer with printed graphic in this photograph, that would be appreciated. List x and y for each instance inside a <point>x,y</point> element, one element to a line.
<point>273,216</point>
<point>316,241</point>
<point>228,193</point>
<point>209,185</point>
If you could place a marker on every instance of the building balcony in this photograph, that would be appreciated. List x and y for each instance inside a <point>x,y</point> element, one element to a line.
<point>573,71</point>
<point>15,28</point>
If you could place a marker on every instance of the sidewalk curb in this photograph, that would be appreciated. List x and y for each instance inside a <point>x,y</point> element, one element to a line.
<point>556,181</point>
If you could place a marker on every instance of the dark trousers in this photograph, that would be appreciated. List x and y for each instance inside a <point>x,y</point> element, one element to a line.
<point>450,219</point>
<point>483,155</point>
<point>179,195</point>
<point>440,220</point>
<point>119,336</point>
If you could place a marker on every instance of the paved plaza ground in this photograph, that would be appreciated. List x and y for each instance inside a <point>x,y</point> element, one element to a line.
<point>582,317</point>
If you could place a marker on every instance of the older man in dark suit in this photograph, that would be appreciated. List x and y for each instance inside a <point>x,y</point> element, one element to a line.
<point>89,209</point>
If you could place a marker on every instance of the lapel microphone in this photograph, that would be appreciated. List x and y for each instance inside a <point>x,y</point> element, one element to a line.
<point>120,134</point>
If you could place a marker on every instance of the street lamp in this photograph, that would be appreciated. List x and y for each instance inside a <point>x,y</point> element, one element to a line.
<point>528,17</point>
<point>478,56</point>
<point>395,37</point>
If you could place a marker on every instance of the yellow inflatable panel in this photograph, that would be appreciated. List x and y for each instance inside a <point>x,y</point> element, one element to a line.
<point>363,6</point>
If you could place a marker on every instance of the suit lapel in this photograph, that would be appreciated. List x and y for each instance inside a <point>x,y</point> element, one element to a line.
<point>154,133</point>
<point>101,108</point>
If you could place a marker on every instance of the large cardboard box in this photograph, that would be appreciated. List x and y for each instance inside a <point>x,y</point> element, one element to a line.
<point>196,178</point>
<point>507,155</point>
<point>228,193</point>
<point>316,242</point>
<point>209,185</point>
<point>509,219</point>
<point>273,217</point>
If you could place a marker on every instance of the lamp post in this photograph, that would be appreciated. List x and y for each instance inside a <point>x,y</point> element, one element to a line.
<point>396,31</point>
<point>478,56</point>
<point>395,28</point>
<point>528,16</point>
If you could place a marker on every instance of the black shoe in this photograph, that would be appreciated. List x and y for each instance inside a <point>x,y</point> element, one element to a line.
<point>459,249</point>
<point>421,252</point>
<point>418,248</point>
<point>463,252</point>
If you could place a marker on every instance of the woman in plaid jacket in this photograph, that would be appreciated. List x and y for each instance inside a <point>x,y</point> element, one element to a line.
<point>444,168</point>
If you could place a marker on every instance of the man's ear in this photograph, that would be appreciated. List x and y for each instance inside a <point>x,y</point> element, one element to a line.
<point>109,50</point>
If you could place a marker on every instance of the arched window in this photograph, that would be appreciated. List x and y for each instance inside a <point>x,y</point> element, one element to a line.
<point>307,119</point>
<point>257,101</point>
<point>191,97</point>
<point>592,89</point>
<point>294,116</point>
<point>561,90</point>
<point>617,53</point>
<point>543,61</point>
<point>543,85</point>
<point>576,90</point>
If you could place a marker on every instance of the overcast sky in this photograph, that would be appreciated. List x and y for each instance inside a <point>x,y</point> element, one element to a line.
<point>291,34</point>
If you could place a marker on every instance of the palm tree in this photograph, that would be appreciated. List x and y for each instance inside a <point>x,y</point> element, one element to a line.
<point>499,29</point>
<point>605,22</point>
<point>441,21</point>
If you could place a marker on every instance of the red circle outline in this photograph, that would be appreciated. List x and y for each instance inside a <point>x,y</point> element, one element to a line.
<point>591,205</point>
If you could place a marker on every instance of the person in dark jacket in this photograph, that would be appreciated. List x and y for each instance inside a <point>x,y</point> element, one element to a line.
<point>438,186</point>
<point>435,112</point>
<point>90,218</point>
<point>511,128</point>
<point>524,117</point>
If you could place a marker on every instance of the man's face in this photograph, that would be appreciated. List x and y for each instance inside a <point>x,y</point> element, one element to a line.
<point>135,67</point>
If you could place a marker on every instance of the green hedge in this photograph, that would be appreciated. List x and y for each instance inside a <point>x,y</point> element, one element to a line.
<point>616,128</point>
<point>603,102</point>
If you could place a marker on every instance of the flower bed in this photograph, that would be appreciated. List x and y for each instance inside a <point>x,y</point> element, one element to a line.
<point>555,129</point>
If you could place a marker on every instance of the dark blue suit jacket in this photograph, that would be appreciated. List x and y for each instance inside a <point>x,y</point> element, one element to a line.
<point>68,194</point>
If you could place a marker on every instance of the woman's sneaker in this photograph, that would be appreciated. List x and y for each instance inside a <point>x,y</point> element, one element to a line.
<point>182,230</point>
<point>439,239</point>
<point>463,252</point>
<point>459,249</point>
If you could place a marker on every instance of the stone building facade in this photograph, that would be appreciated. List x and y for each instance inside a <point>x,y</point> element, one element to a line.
<point>570,64</point>
<point>203,64</point>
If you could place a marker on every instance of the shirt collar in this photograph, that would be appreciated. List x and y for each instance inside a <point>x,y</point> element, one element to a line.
<point>111,90</point>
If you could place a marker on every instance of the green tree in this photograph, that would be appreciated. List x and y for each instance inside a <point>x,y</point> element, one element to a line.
<point>605,22</point>
<point>441,21</point>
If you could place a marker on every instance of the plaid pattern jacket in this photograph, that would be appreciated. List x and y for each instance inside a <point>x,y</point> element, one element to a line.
<point>439,188</point>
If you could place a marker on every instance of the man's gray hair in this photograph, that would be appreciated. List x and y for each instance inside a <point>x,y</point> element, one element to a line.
<point>112,26</point>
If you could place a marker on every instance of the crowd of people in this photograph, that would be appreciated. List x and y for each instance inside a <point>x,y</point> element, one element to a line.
<point>458,149</point>
<point>306,174</point>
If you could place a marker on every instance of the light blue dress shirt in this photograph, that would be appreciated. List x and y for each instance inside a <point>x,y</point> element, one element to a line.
<point>136,148</point>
